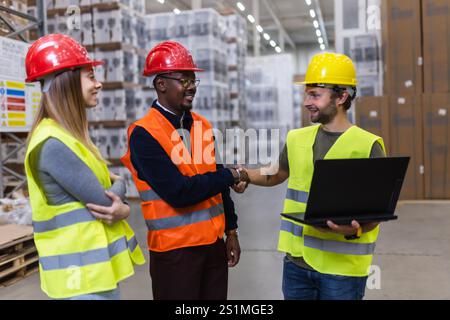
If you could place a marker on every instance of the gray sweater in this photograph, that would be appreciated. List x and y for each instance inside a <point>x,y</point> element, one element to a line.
<point>65,178</point>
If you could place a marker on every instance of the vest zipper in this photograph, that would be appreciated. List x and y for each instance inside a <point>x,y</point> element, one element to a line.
<point>182,132</point>
<point>185,141</point>
<point>181,120</point>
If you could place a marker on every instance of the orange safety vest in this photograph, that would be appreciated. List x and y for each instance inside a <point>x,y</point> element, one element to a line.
<point>168,227</point>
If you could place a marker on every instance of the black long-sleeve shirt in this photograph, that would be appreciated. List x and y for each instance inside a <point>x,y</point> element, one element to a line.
<point>155,167</point>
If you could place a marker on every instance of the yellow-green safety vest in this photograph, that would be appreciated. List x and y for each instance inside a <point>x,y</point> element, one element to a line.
<point>327,253</point>
<point>77,253</point>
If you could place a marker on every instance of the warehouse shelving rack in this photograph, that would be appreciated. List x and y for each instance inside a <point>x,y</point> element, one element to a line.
<point>38,23</point>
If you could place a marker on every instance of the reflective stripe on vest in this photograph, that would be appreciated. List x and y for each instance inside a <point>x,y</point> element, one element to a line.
<point>81,259</point>
<point>296,195</point>
<point>327,245</point>
<point>291,227</point>
<point>63,220</point>
<point>338,246</point>
<point>185,219</point>
<point>149,195</point>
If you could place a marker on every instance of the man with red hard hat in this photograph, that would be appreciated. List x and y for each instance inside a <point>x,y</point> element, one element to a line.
<point>185,196</point>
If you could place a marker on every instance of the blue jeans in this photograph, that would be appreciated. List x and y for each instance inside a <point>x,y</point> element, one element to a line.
<point>106,295</point>
<point>303,284</point>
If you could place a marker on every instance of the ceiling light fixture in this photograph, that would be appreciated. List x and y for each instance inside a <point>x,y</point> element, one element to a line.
<point>240,6</point>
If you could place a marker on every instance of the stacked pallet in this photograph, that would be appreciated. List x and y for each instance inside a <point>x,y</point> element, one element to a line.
<point>236,39</point>
<point>269,93</point>
<point>18,254</point>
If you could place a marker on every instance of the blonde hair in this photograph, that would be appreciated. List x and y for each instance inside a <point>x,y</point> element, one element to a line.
<point>64,103</point>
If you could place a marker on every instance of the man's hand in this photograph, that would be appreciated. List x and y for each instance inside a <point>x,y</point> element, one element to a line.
<point>243,181</point>
<point>240,187</point>
<point>233,249</point>
<point>110,215</point>
<point>348,230</point>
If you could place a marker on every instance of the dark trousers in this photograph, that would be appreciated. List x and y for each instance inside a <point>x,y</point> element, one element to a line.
<point>192,273</point>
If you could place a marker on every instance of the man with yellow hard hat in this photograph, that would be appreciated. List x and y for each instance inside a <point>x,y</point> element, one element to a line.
<point>322,263</point>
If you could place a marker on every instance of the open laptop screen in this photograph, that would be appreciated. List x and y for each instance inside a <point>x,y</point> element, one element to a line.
<point>355,187</point>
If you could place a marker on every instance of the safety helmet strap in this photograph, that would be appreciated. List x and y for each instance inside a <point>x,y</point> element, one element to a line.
<point>46,82</point>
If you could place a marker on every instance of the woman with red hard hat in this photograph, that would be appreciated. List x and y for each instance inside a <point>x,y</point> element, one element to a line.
<point>84,243</point>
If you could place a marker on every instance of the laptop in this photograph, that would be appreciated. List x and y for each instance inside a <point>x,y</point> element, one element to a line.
<point>342,190</point>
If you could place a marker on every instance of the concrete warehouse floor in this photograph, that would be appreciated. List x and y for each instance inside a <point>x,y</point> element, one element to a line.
<point>412,254</point>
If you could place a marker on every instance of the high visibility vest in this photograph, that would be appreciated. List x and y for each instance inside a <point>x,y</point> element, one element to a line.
<point>168,227</point>
<point>77,253</point>
<point>327,253</point>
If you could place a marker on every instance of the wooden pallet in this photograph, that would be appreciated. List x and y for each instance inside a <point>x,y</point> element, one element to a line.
<point>18,259</point>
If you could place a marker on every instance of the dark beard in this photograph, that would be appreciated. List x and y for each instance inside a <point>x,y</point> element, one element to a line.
<point>185,107</point>
<point>326,115</point>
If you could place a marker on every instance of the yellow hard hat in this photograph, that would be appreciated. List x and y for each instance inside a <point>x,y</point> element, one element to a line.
<point>331,68</point>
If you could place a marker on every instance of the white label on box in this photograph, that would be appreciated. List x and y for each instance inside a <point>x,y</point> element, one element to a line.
<point>408,84</point>
<point>420,61</point>
<point>373,114</point>
<point>401,100</point>
<point>442,112</point>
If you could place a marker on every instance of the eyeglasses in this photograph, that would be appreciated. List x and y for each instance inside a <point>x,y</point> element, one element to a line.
<point>185,83</point>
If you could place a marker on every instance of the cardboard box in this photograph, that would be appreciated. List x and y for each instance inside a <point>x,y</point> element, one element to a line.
<point>115,26</point>
<point>402,47</point>
<point>406,139</point>
<point>436,32</point>
<point>372,114</point>
<point>436,109</point>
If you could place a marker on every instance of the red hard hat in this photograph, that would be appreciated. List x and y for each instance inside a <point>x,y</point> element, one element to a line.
<point>169,56</point>
<point>55,52</point>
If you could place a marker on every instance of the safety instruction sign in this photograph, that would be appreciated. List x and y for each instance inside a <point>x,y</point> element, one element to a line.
<point>19,101</point>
